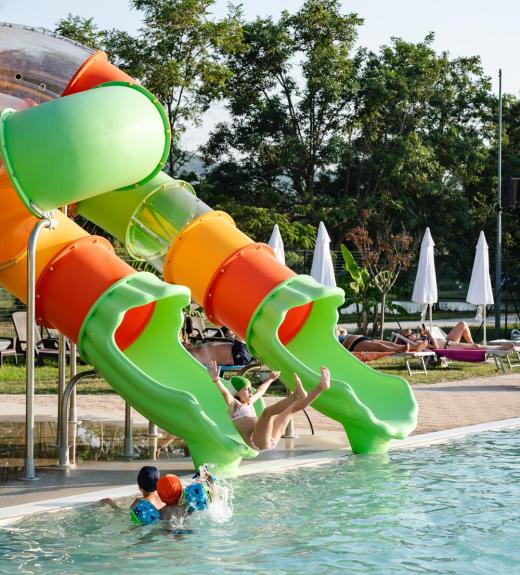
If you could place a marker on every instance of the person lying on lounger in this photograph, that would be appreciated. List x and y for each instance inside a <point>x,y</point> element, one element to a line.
<point>453,339</point>
<point>364,343</point>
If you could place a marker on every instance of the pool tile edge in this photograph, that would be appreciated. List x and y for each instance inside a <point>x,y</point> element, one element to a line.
<point>12,514</point>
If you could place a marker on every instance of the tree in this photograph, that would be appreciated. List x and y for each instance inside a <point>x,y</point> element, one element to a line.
<point>289,98</point>
<point>360,290</point>
<point>384,258</point>
<point>82,30</point>
<point>177,55</point>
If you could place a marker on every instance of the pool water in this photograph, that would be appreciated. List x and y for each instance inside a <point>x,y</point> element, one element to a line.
<point>444,509</point>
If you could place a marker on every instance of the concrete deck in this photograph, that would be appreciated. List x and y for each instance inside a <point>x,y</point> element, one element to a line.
<point>441,406</point>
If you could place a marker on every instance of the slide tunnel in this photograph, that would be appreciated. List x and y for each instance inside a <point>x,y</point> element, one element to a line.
<point>101,147</point>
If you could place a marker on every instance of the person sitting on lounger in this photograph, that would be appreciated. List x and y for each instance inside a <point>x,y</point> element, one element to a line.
<point>364,343</point>
<point>453,339</point>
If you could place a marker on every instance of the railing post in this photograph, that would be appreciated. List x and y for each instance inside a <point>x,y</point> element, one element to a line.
<point>64,460</point>
<point>29,468</point>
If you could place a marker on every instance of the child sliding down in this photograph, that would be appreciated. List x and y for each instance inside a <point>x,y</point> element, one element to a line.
<point>264,432</point>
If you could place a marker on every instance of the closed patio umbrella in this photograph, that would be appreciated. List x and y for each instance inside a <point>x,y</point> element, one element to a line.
<point>276,242</point>
<point>322,269</point>
<point>480,291</point>
<point>425,288</point>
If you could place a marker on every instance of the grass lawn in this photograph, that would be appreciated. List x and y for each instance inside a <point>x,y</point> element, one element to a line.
<point>12,378</point>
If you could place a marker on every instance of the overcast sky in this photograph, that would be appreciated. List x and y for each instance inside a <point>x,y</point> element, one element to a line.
<point>462,27</point>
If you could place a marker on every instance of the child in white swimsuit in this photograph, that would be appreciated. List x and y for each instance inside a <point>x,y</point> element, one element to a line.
<point>263,433</point>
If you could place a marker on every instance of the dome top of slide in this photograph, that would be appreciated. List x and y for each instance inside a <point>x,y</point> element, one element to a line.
<point>36,63</point>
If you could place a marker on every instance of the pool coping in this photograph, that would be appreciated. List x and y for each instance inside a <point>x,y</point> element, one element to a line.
<point>14,513</point>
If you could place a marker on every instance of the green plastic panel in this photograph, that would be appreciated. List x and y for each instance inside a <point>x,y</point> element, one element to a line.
<point>147,219</point>
<point>373,407</point>
<point>156,374</point>
<point>86,144</point>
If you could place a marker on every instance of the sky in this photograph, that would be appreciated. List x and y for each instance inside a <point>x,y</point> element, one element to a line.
<point>462,27</point>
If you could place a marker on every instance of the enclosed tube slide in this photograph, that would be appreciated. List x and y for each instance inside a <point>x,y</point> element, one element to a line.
<point>113,136</point>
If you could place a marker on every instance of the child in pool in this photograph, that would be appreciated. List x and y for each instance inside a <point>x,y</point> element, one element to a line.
<point>263,433</point>
<point>146,509</point>
<point>169,489</point>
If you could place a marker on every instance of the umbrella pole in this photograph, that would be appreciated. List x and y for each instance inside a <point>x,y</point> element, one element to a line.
<point>485,336</point>
<point>431,323</point>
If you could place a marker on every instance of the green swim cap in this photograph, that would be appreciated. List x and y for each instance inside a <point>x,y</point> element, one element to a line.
<point>238,382</point>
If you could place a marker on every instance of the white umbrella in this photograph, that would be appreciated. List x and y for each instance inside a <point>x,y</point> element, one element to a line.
<point>480,291</point>
<point>322,269</point>
<point>425,288</point>
<point>276,242</point>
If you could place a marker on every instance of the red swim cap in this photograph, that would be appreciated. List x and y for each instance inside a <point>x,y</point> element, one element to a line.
<point>169,488</point>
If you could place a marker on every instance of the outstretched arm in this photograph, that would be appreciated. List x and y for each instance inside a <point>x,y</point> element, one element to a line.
<point>214,374</point>
<point>264,386</point>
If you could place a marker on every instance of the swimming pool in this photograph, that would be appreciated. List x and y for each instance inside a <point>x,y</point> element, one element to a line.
<point>443,509</point>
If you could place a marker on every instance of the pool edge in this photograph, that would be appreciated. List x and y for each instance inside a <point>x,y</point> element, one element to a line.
<point>12,514</point>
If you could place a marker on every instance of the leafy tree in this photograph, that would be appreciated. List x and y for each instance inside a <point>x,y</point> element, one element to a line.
<point>289,97</point>
<point>82,30</point>
<point>360,290</point>
<point>421,139</point>
<point>178,55</point>
<point>384,258</point>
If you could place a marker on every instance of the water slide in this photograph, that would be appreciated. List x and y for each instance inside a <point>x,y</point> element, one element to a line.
<point>77,131</point>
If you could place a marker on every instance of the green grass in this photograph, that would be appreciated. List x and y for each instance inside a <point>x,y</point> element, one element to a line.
<point>12,378</point>
<point>455,371</point>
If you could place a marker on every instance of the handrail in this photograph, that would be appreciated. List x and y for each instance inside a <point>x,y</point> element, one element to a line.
<point>64,423</point>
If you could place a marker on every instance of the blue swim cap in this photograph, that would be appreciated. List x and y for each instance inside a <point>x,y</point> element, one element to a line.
<point>144,513</point>
<point>195,496</point>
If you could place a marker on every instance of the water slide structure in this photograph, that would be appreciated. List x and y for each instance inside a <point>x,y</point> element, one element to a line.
<point>77,131</point>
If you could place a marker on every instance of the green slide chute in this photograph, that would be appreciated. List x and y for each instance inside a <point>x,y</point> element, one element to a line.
<point>156,375</point>
<point>373,407</point>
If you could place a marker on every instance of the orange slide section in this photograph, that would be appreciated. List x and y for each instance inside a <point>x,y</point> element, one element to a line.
<point>73,269</point>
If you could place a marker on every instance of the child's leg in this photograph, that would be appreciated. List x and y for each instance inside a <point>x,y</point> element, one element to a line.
<point>280,421</point>
<point>264,426</point>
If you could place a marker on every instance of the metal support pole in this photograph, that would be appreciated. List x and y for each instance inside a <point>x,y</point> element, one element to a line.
<point>64,427</point>
<point>29,470</point>
<point>62,376</point>
<point>498,270</point>
<point>129,437</point>
<point>73,370</point>
<point>152,430</point>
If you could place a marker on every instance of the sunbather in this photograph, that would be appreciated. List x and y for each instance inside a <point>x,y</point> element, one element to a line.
<point>453,339</point>
<point>363,343</point>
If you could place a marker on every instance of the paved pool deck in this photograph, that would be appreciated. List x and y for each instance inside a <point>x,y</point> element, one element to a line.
<point>442,406</point>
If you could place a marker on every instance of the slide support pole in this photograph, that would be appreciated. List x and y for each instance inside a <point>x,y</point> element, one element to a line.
<point>29,469</point>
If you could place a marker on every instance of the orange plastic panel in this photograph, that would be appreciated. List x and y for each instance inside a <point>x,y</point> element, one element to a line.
<point>201,249</point>
<point>134,322</point>
<point>240,284</point>
<point>16,223</point>
<point>293,322</point>
<point>50,243</point>
<point>73,281</point>
<point>94,71</point>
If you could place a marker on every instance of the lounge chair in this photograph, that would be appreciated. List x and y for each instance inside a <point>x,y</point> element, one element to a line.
<point>8,349</point>
<point>196,330</point>
<point>43,347</point>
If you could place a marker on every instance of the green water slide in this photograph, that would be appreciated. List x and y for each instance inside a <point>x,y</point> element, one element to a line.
<point>373,407</point>
<point>156,374</point>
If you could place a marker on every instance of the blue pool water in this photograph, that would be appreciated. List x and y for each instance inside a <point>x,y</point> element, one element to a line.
<point>445,509</point>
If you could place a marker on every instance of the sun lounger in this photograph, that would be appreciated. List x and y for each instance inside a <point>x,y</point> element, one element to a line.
<point>407,356</point>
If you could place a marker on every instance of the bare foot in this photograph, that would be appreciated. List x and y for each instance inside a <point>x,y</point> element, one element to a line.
<point>324,383</point>
<point>299,392</point>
